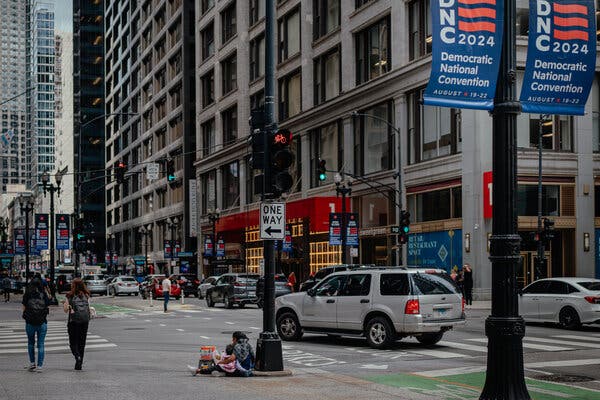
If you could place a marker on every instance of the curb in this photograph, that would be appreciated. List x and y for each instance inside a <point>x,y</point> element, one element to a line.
<point>272,374</point>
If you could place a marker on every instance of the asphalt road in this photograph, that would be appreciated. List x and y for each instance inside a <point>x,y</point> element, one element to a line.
<point>137,351</point>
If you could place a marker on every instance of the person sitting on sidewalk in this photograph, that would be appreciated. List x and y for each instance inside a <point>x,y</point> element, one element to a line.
<point>238,359</point>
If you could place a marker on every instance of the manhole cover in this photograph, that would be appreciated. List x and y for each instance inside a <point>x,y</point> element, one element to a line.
<point>565,378</point>
<point>134,329</point>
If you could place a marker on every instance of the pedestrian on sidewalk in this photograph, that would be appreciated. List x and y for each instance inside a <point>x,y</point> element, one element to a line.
<point>35,310</point>
<point>292,281</point>
<point>77,306</point>
<point>6,287</point>
<point>468,284</point>
<point>166,287</point>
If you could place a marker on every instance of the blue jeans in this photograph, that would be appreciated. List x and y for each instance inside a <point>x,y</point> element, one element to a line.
<point>41,337</point>
<point>166,296</point>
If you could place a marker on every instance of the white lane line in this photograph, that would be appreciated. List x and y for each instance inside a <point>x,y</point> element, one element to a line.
<point>463,346</point>
<point>207,318</point>
<point>48,339</point>
<point>162,324</point>
<point>204,337</point>
<point>230,323</point>
<point>187,316</point>
<point>583,338</point>
<point>147,320</point>
<point>563,363</point>
<point>49,335</point>
<point>256,328</point>
<point>53,343</point>
<point>450,371</point>
<point>535,346</point>
<point>565,342</point>
<point>179,329</point>
<point>437,353</point>
<point>59,348</point>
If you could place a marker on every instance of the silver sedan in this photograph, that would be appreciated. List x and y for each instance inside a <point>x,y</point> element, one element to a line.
<point>569,301</point>
<point>207,283</point>
<point>123,285</point>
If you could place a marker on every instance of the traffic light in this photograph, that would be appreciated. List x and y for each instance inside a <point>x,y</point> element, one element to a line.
<point>321,170</point>
<point>120,169</point>
<point>170,167</point>
<point>404,226</point>
<point>281,158</point>
<point>257,138</point>
<point>548,233</point>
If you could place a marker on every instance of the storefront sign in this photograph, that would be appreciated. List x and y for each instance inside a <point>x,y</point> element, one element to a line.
<point>220,247</point>
<point>168,252</point>
<point>467,40</point>
<point>441,249</point>
<point>352,229</point>
<point>561,57</point>
<point>19,241</point>
<point>487,194</point>
<point>208,246</point>
<point>63,232</point>
<point>193,198</point>
<point>335,229</point>
<point>41,231</point>
<point>287,241</point>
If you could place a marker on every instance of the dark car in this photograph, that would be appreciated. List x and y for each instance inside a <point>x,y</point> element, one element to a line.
<point>189,284</point>
<point>233,289</point>
<point>323,272</point>
<point>63,283</point>
<point>282,287</point>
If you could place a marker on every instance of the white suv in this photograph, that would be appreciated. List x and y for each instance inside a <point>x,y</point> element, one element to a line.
<point>382,304</point>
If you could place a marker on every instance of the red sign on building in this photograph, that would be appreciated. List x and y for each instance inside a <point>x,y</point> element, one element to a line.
<point>487,194</point>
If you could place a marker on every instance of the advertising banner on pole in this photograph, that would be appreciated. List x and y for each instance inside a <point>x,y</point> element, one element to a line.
<point>287,241</point>
<point>63,232</point>
<point>466,44</point>
<point>176,249</point>
<point>561,57</point>
<point>168,252</point>
<point>208,246</point>
<point>352,230</point>
<point>33,250</point>
<point>115,257</point>
<point>41,231</point>
<point>335,229</point>
<point>107,259</point>
<point>220,247</point>
<point>19,241</point>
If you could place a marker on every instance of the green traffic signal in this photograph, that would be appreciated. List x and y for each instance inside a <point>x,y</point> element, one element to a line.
<point>406,229</point>
<point>322,169</point>
<point>80,236</point>
<point>322,177</point>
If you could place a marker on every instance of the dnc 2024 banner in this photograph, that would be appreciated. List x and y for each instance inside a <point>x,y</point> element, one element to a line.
<point>561,57</point>
<point>467,42</point>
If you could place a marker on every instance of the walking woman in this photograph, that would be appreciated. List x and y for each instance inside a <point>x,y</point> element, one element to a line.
<point>35,309</point>
<point>78,307</point>
<point>468,284</point>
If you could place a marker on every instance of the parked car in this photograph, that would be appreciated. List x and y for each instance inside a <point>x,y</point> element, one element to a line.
<point>189,284</point>
<point>231,289</point>
<point>63,282</point>
<point>569,302</point>
<point>282,287</point>
<point>205,284</point>
<point>323,272</point>
<point>381,304</point>
<point>153,285</point>
<point>123,285</point>
<point>96,284</point>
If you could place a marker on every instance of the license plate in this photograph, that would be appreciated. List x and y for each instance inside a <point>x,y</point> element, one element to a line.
<point>440,312</point>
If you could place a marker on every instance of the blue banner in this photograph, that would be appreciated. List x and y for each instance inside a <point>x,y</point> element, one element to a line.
<point>287,242</point>
<point>441,249</point>
<point>19,241</point>
<point>597,253</point>
<point>467,41</point>
<point>208,246</point>
<point>335,229</point>
<point>352,229</point>
<point>220,247</point>
<point>41,231</point>
<point>63,232</point>
<point>561,57</point>
<point>167,249</point>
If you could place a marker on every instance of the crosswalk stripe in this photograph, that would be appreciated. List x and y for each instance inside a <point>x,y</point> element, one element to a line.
<point>59,348</point>
<point>532,345</point>
<point>19,336</point>
<point>438,353</point>
<point>575,337</point>
<point>565,342</point>
<point>463,346</point>
<point>48,339</point>
<point>53,343</point>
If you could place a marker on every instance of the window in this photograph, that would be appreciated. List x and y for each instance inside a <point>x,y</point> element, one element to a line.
<point>290,95</point>
<point>251,196</point>
<point>372,51</point>
<point>436,205</point>
<point>231,185</point>
<point>327,76</point>
<point>325,144</point>
<point>229,118</point>
<point>359,3</point>
<point>208,88</point>
<point>394,285</point>
<point>257,57</point>
<point>207,4</point>
<point>527,200</point>
<point>289,35</point>
<point>557,132</point>
<point>419,26</point>
<point>326,17</point>
<point>374,140</point>
<point>208,41</point>
<point>257,100</point>
<point>257,11</point>
<point>228,23</point>
<point>208,183</point>
<point>208,137</point>
<point>229,74</point>
<point>331,286</point>
<point>357,285</point>
<point>428,284</point>
<point>432,131</point>
<point>536,287</point>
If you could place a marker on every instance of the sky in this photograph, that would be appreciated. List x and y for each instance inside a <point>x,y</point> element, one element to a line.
<point>63,14</point>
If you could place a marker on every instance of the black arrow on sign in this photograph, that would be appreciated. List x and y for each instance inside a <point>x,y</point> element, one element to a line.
<point>270,230</point>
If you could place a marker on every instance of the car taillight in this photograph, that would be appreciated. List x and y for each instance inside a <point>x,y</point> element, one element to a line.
<point>288,284</point>
<point>412,307</point>
<point>592,299</point>
<point>119,284</point>
<point>237,284</point>
<point>197,282</point>
<point>463,304</point>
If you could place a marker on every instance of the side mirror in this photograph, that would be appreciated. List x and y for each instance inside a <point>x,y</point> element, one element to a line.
<point>311,292</point>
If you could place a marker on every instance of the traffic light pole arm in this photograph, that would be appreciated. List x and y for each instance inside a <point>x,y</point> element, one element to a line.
<point>99,117</point>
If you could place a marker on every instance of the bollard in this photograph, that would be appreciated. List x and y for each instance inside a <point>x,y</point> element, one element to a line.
<point>151,305</point>
<point>182,297</point>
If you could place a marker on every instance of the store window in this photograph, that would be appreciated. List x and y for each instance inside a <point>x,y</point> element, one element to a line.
<point>209,193</point>
<point>325,144</point>
<point>557,132</point>
<point>374,142</point>
<point>373,57</point>
<point>432,131</point>
<point>327,76</point>
<point>326,17</point>
<point>377,209</point>
<point>231,185</point>
<point>527,200</point>
<point>289,35</point>
<point>419,29</point>
<point>435,205</point>
<point>290,95</point>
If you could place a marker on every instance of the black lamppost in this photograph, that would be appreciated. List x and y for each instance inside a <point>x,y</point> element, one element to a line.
<point>213,217</point>
<point>26,205</point>
<point>146,231</point>
<point>341,188</point>
<point>505,378</point>
<point>172,224</point>
<point>50,188</point>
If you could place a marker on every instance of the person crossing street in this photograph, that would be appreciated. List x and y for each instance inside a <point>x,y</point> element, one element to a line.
<point>166,287</point>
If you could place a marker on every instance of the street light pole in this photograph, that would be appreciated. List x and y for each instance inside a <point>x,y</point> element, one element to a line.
<point>214,217</point>
<point>26,205</point>
<point>341,188</point>
<point>172,223</point>
<point>504,328</point>
<point>48,187</point>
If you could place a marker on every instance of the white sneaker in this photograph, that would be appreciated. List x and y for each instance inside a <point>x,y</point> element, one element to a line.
<point>39,370</point>
<point>193,370</point>
<point>30,367</point>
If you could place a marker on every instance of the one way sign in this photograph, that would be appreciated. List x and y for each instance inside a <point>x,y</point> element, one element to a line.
<point>272,221</point>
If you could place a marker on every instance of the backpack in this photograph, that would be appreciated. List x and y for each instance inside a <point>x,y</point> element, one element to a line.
<point>36,310</point>
<point>81,310</point>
